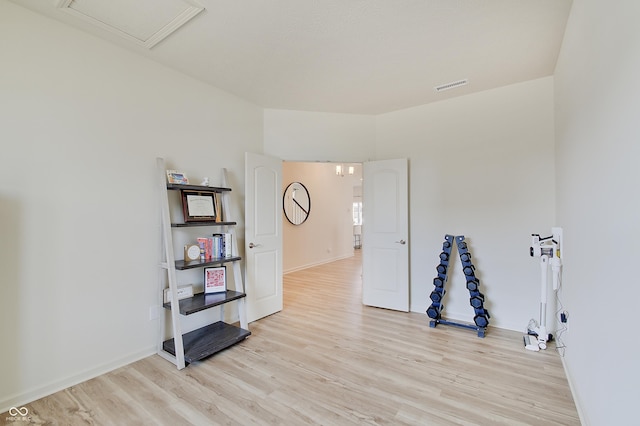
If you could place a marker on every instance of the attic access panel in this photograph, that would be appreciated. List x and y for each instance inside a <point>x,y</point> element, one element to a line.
<point>145,22</point>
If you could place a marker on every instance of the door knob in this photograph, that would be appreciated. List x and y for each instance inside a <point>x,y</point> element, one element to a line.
<point>251,245</point>
<point>403,242</point>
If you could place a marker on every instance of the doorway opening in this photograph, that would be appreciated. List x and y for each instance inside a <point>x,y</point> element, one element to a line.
<point>335,214</point>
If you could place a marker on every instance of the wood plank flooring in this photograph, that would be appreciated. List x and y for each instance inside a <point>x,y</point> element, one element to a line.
<point>328,360</point>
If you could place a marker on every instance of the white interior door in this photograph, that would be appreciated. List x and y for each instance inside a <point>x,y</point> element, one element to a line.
<point>385,230</point>
<point>263,235</point>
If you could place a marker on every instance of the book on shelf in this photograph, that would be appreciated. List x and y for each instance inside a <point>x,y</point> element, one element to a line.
<point>222,245</point>
<point>218,246</point>
<point>228,244</point>
<point>206,249</point>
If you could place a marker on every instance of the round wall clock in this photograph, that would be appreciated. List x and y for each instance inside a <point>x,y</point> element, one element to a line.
<point>296,203</point>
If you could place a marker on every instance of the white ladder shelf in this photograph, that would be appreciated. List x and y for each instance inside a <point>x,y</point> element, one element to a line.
<point>184,348</point>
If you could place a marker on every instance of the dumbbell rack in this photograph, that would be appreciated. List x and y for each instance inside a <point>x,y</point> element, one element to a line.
<point>476,299</point>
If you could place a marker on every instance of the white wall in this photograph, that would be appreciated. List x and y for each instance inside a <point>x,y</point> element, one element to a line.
<point>480,166</point>
<point>597,136</point>
<point>317,136</point>
<point>82,122</point>
<point>327,235</point>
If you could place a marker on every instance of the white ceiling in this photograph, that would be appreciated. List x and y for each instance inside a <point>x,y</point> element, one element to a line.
<point>354,56</point>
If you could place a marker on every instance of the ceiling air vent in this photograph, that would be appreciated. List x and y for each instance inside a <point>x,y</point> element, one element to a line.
<point>145,22</point>
<point>451,85</point>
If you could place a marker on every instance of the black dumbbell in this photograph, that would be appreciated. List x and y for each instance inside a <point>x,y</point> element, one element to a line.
<point>436,296</point>
<point>481,320</point>
<point>477,301</point>
<point>433,312</point>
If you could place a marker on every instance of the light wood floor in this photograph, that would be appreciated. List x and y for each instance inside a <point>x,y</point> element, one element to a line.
<point>326,359</point>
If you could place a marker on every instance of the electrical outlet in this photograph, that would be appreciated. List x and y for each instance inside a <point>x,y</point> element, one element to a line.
<point>564,315</point>
<point>153,313</point>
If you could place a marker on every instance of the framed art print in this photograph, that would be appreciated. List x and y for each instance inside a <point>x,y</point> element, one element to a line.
<point>198,206</point>
<point>215,280</point>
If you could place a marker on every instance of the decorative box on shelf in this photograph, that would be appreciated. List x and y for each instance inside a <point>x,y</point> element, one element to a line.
<point>184,291</point>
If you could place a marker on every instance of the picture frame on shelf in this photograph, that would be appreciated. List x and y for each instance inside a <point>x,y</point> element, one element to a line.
<point>191,252</point>
<point>176,177</point>
<point>198,206</point>
<point>215,280</point>
<point>218,205</point>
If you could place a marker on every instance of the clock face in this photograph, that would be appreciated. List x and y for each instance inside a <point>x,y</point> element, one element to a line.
<point>296,203</point>
<point>193,252</point>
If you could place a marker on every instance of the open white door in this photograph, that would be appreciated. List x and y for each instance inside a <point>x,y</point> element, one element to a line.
<point>263,235</point>
<point>385,230</point>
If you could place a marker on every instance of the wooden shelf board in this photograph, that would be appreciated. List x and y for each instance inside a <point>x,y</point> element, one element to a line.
<point>182,265</point>
<point>175,186</point>
<point>201,301</point>
<point>208,340</point>
<point>204,223</point>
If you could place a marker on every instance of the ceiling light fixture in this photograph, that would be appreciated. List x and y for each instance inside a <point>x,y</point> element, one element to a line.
<point>340,169</point>
<point>452,85</point>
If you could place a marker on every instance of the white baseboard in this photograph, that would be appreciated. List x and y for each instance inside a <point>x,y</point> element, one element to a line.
<point>23,399</point>
<point>322,262</point>
<point>576,401</point>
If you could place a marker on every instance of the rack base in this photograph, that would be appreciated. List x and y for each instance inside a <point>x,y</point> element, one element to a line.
<point>481,330</point>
